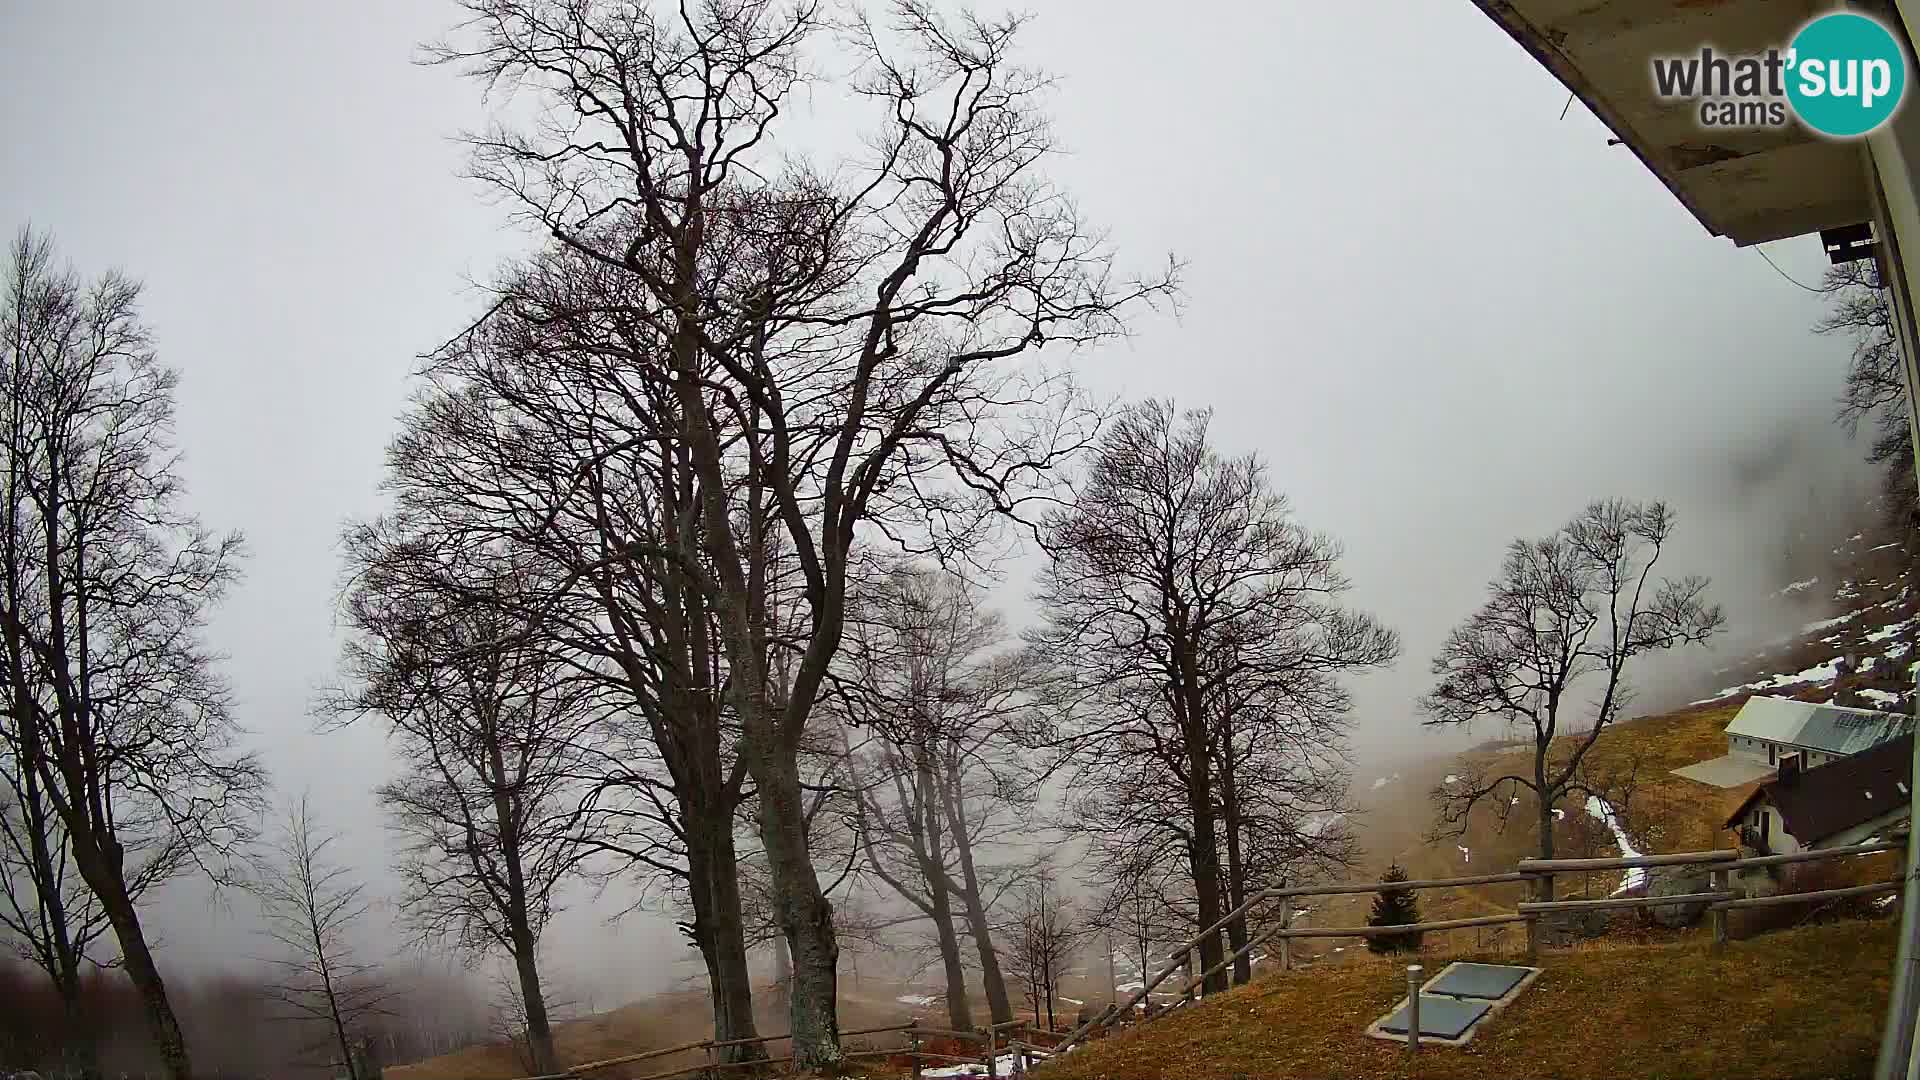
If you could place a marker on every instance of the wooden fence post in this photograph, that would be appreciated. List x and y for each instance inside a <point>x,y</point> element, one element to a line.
<point>713,1058</point>
<point>1718,914</point>
<point>993,1057</point>
<point>1533,924</point>
<point>1286,943</point>
<point>913,1045</point>
<point>1413,1008</point>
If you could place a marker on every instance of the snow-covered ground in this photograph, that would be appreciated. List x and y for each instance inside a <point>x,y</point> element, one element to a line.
<point>1636,876</point>
<point>1002,1066</point>
<point>917,999</point>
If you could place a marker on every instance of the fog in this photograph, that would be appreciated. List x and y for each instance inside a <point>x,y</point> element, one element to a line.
<point>1444,314</point>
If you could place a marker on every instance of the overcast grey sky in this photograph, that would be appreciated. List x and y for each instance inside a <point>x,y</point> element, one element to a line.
<point>1446,316</point>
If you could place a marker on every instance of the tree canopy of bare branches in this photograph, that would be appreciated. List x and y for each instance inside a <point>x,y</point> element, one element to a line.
<point>1548,651</point>
<point>1203,626</point>
<point>940,777</point>
<point>1876,390</point>
<point>487,726</point>
<point>840,342</point>
<point>313,907</point>
<point>116,719</point>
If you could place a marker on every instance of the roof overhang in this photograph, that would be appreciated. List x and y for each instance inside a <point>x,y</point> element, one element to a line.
<point>1750,186</point>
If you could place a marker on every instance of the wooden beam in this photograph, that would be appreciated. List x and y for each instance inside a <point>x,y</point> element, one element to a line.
<point>1410,928</point>
<point>1811,856</point>
<point>1678,858</point>
<point>1809,897</point>
<point>1550,906</point>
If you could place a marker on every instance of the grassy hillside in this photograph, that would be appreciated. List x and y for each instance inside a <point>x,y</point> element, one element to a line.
<point>1669,1010</point>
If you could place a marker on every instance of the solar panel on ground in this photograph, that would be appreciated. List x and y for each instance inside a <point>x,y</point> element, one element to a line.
<point>1488,981</point>
<point>1440,1017</point>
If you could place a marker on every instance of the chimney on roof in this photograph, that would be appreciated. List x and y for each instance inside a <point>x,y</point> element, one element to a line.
<point>1789,768</point>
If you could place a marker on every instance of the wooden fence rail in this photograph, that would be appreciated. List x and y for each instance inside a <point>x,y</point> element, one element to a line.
<point>1721,862</point>
<point>1027,1054</point>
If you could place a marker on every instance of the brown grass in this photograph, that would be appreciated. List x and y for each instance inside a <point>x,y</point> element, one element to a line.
<point>1802,1003</point>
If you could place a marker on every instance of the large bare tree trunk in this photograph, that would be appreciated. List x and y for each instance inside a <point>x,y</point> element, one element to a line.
<point>534,1001</point>
<point>719,928</point>
<point>999,1006</point>
<point>1203,858</point>
<point>1203,851</point>
<point>1236,869</point>
<point>519,926</point>
<point>103,868</point>
<point>1544,883</point>
<point>800,908</point>
<point>939,896</point>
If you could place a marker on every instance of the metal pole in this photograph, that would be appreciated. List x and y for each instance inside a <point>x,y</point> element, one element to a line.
<point>1413,1008</point>
<point>1885,162</point>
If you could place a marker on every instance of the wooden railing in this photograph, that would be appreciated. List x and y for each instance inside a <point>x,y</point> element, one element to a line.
<point>1719,900</point>
<point>1025,1052</point>
<point>1010,1038</point>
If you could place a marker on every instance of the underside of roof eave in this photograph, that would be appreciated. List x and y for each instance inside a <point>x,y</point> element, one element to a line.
<point>1539,45</point>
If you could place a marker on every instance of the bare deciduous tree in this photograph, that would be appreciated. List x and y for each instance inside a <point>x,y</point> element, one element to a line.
<point>942,777</point>
<point>312,907</point>
<point>838,341</point>
<point>487,727</point>
<point>114,704</point>
<point>1567,612</point>
<point>1182,594</point>
<point>1876,392</point>
<point>1047,933</point>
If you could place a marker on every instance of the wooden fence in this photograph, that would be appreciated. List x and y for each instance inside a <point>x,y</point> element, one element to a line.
<point>1018,1039</point>
<point>1013,1039</point>
<point>1719,899</point>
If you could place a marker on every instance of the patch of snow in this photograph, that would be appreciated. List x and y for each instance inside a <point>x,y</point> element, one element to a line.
<point>1826,672</point>
<point>1883,903</point>
<point>1888,631</point>
<point>1827,624</point>
<point>916,999</point>
<point>1559,814</point>
<point>1636,876</point>
<point>1073,1001</point>
<point>1884,697</point>
<point>1382,781</point>
<point>1884,547</point>
<point>1129,987</point>
<point>1465,854</point>
<point>1002,1066</point>
<point>1451,779</point>
<point>1798,585</point>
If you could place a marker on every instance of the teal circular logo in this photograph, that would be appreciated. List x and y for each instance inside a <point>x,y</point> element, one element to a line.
<point>1846,74</point>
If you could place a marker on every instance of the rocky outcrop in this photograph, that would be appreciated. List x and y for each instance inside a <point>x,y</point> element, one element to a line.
<point>1678,881</point>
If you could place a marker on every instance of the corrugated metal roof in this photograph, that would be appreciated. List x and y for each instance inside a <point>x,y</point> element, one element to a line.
<point>1832,729</point>
<point>1770,718</point>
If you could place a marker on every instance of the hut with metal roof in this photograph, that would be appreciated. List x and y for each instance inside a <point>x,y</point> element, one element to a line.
<point>1848,801</point>
<point>1769,728</point>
